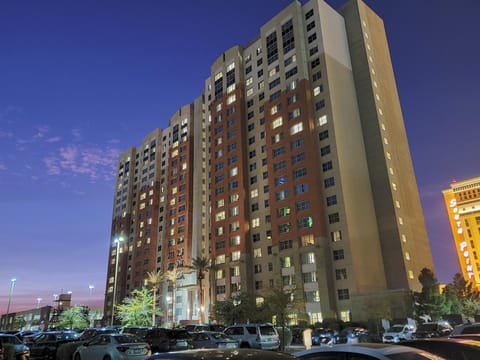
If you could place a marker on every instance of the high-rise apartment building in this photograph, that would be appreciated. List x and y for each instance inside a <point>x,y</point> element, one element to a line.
<point>462,201</point>
<point>292,170</point>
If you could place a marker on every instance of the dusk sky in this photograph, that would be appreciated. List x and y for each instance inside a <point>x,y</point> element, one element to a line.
<point>82,81</point>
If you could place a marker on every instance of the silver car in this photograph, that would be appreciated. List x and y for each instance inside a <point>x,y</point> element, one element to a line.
<point>113,347</point>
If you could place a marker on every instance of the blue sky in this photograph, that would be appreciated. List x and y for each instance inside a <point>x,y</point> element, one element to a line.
<point>82,81</point>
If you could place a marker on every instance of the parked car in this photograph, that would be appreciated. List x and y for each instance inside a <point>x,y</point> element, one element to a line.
<point>140,331</point>
<point>21,351</point>
<point>204,327</point>
<point>45,346</point>
<point>351,334</point>
<point>448,348</point>
<point>163,340</point>
<point>432,329</point>
<point>213,339</point>
<point>223,354</point>
<point>113,347</point>
<point>464,329</point>
<point>398,333</point>
<point>370,351</point>
<point>66,350</point>
<point>257,336</point>
<point>323,336</point>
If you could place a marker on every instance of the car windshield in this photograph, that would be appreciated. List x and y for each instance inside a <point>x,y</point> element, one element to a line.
<point>124,338</point>
<point>10,340</point>
<point>219,336</point>
<point>267,330</point>
<point>427,327</point>
<point>395,329</point>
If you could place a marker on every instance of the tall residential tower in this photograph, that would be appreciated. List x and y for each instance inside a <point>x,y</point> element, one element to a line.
<point>291,170</point>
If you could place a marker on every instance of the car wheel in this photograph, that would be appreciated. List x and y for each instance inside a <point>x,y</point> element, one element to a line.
<point>107,357</point>
<point>78,357</point>
<point>244,345</point>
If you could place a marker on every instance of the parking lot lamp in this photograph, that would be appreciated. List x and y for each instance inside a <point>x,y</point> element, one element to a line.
<point>12,286</point>
<point>117,241</point>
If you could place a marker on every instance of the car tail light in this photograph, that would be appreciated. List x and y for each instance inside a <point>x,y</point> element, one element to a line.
<point>148,347</point>
<point>122,348</point>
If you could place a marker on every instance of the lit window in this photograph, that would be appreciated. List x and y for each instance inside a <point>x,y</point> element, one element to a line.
<point>296,128</point>
<point>257,252</point>
<point>220,216</point>
<point>322,120</point>
<point>249,81</point>
<point>231,99</point>
<point>254,193</point>
<point>277,122</point>
<point>235,255</point>
<point>233,172</point>
<point>255,222</point>
<point>250,92</point>
<point>220,259</point>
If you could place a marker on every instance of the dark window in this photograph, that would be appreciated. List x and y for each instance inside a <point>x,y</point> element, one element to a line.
<point>288,36</point>
<point>272,49</point>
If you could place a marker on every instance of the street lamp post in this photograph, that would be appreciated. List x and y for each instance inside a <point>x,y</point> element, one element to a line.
<point>12,285</point>
<point>39,300</point>
<point>117,241</point>
<point>90,288</point>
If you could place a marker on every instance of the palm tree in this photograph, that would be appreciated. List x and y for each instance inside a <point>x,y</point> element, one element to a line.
<point>154,278</point>
<point>201,265</point>
<point>172,276</point>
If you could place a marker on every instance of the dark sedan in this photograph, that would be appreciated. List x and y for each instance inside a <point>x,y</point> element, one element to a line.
<point>213,339</point>
<point>46,345</point>
<point>11,343</point>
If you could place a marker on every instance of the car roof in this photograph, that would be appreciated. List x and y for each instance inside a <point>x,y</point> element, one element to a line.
<point>372,349</point>
<point>230,354</point>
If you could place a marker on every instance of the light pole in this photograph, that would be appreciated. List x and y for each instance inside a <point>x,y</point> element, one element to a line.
<point>117,241</point>
<point>90,288</point>
<point>12,285</point>
<point>39,300</point>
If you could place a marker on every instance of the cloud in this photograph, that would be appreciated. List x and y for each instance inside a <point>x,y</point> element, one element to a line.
<point>53,139</point>
<point>92,162</point>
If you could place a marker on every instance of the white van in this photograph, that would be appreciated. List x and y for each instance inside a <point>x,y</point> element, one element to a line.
<point>398,333</point>
<point>257,336</point>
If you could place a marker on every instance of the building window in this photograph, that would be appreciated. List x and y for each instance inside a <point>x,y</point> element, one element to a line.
<point>287,244</point>
<point>338,255</point>
<point>343,294</point>
<point>331,200</point>
<point>327,166</point>
<point>312,296</point>
<point>336,235</point>
<point>340,274</point>
<point>329,182</point>
<point>333,218</point>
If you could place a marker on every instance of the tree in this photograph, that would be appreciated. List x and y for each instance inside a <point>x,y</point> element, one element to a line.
<point>172,276</point>
<point>154,278</point>
<point>73,318</point>
<point>240,308</point>
<point>430,304</point>
<point>137,310</point>
<point>280,304</point>
<point>201,265</point>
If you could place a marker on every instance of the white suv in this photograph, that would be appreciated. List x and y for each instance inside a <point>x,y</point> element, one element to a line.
<point>258,336</point>
<point>398,333</point>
